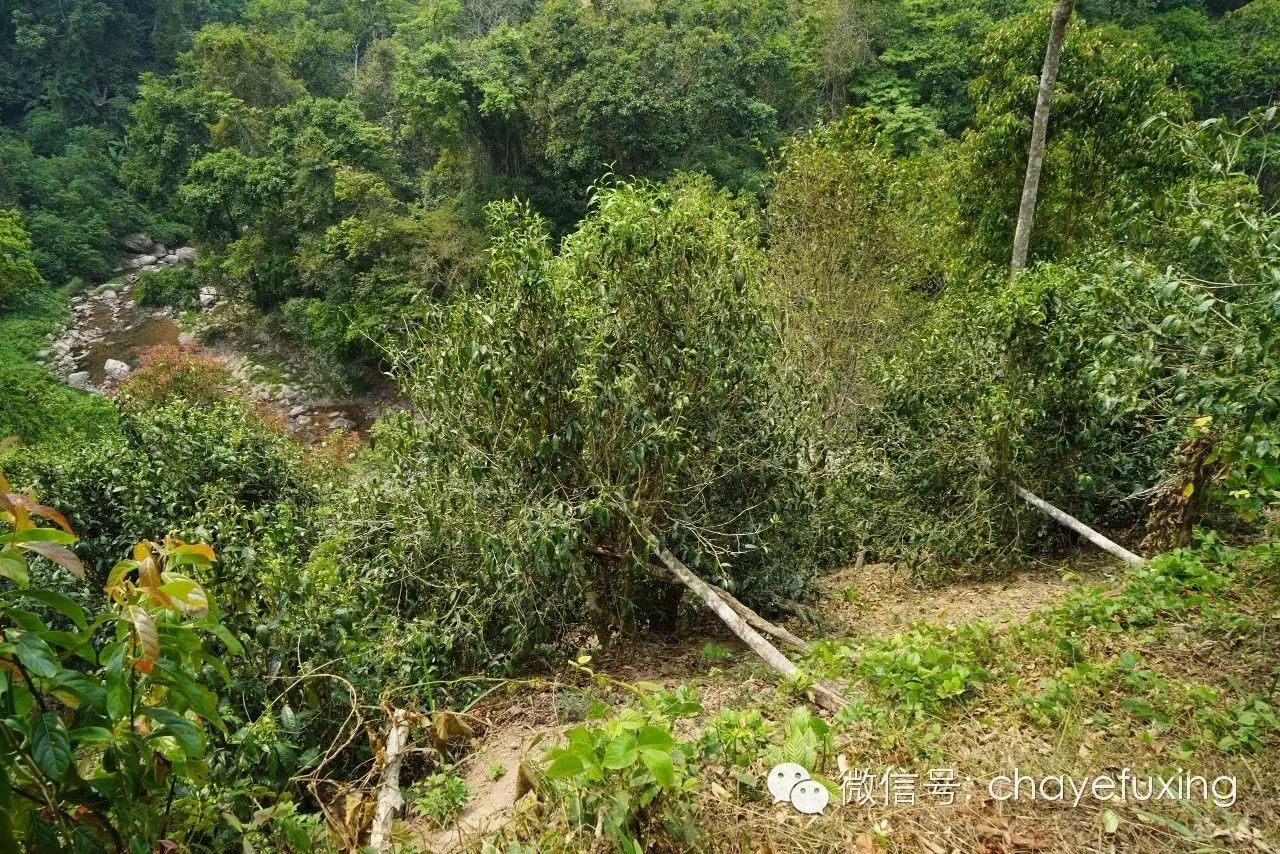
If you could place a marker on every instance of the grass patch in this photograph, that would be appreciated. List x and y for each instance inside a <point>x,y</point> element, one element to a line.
<point>36,406</point>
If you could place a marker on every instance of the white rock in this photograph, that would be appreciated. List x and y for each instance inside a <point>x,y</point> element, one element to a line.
<point>80,379</point>
<point>186,254</point>
<point>296,411</point>
<point>140,261</point>
<point>340,423</point>
<point>208,296</point>
<point>116,369</point>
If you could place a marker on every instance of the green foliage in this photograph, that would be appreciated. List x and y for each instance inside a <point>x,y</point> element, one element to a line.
<point>36,406</point>
<point>439,797</point>
<point>715,653</point>
<point>627,775</point>
<point>169,286</point>
<point>924,670</point>
<point>1099,151</point>
<point>17,274</point>
<point>98,734</point>
<point>623,382</point>
<point>736,737</point>
<point>807,740</point>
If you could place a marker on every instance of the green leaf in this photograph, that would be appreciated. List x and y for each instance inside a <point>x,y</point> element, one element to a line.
<point>660,766</point>
<point>50,747</point>
<point>15,571</point>
<point>621,752</point>
<point>564,766</point>
<point>188,735</point>
<point>59,603</point>
<point>656,738</point>
<point>36,656</point>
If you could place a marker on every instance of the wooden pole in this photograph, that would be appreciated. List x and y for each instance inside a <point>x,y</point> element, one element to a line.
<point>823,696</point>
<point>1039,132</point>
<point>1066,519</point>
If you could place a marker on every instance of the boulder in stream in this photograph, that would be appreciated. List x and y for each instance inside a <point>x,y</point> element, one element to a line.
<point>116,369</point>
<point>80,380</point>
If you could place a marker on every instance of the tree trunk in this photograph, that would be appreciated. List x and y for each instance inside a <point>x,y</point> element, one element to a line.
<point>820,694</point>
<point>1039,130</point>
<point>1069,521</point>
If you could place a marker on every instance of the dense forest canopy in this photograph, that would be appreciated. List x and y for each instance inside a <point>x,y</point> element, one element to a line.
<point>644,287</point>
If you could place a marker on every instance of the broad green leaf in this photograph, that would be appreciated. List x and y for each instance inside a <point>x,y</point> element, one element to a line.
<point>660,766</point>
<point>621,752</point>
<point>656,738</point>
<point>36,656</point>
<point>15,571</point>
<point>564,766</point>
<point>59,603</point>
<point>186,733</point>
<point>50,747</point>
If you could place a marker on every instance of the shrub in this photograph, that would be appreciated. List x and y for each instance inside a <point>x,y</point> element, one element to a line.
<point>629,381</point>
<point>105,718</point>
<point>18,274</point>
<point>167,370</point>
<point>168,286</point>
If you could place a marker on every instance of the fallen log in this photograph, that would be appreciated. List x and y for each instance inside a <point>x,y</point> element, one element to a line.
<point>1069,521</point>
<point>389,798</point>
<point>820,694</point>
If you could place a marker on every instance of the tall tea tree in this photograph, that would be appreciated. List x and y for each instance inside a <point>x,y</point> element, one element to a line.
<point>628,382</point>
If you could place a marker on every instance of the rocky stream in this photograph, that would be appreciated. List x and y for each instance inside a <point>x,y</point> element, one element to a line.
<point>107,334</point>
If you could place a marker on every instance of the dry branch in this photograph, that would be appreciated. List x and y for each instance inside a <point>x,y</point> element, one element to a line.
<point>820,694</point>
<point>1066,519</point>
<point>389,798</point>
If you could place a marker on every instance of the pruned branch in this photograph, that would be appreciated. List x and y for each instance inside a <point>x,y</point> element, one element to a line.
<point>820,694</point>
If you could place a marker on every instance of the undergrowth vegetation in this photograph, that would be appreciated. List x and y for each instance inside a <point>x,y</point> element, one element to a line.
<point>672,296</point>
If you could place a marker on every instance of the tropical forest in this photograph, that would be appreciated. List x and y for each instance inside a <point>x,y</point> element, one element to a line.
<point>588,426</point>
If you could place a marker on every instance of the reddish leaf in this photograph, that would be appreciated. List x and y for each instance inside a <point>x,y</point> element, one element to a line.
<point>144,627</point>
<point>58,554</point>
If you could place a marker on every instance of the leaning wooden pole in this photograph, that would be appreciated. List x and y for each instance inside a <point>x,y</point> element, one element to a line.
<point>1069,521</point>
<point>1039,132</point>
<point>823,696</point>
<point>759,623</point>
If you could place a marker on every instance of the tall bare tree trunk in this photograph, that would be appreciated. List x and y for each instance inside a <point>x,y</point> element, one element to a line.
<point>1039,130</point>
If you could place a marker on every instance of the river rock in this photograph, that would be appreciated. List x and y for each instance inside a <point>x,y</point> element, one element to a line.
<point>139,261</point>
<point>340,423</point>
<point>208,297</point>
<point>80,380</point>
<point>116,369</point>
<point>185,254</point>
<point>138,242</point>
<point>296,411</point>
